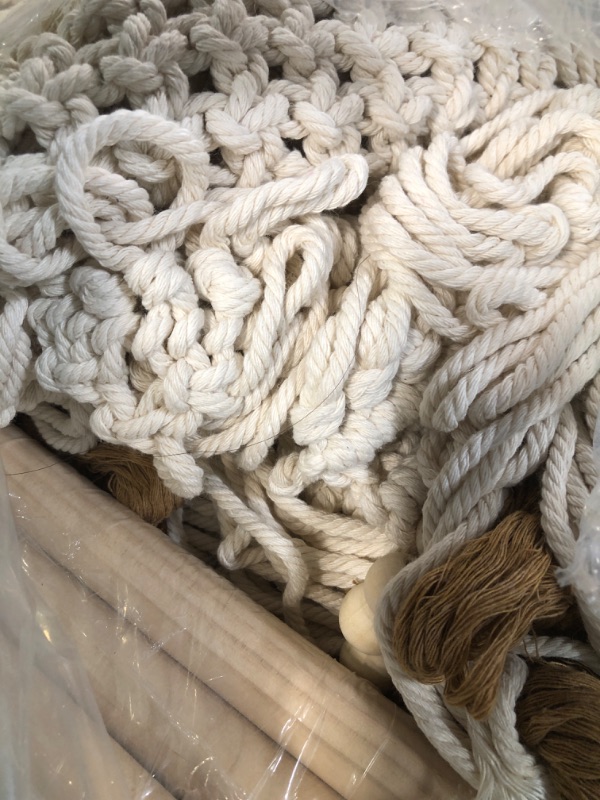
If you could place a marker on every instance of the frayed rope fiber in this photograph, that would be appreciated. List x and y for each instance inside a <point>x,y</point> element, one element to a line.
<point>461,619</point>
<point>338,286</point>
<point>132,480</point>
<point>557,717</point>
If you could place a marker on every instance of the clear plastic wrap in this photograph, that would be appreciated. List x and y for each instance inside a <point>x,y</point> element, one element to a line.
<point>203,693</point>
<point>53,741</point>
<point>131,671</point>
<point>522,21</point>
<point>25,16</point>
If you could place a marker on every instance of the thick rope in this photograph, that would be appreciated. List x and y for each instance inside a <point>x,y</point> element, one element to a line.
<point>341,284</point>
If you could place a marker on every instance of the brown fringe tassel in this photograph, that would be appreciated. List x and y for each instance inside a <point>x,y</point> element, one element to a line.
<point>460,620</point>
<point>127,474</point>
<point>558,718</point>
<point>132,479</point>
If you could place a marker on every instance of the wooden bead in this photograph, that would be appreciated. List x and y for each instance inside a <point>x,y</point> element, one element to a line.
<point>379,574</point>
<point>370,667</point>
<point>357,622</point>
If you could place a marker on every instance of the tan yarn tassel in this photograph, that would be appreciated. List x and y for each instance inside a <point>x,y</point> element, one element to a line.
<point>127,474</point>
<point>558,718</point>
<point>132,479</point>
<point>460,620</point>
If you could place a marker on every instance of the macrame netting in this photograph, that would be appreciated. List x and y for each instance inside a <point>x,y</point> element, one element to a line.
<point>342,284</point>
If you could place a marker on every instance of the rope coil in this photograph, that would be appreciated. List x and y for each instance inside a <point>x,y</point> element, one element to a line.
<point>341,285</point>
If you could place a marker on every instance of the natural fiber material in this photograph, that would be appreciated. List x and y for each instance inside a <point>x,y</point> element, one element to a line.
<point>341,284</point>
<point>133,480</point>
<point>127,474</point>
<point>461,619</point>
<point>557,718</point>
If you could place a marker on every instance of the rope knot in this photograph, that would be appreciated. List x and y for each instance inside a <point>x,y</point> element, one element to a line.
<point>230,288</point>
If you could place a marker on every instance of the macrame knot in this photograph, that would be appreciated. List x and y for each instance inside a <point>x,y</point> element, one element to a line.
<point>338,287</point>
<point>231,289</point>
<point>101,293</point>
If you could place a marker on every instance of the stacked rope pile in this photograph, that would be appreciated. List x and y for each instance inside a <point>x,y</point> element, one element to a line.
<point>341,285</point>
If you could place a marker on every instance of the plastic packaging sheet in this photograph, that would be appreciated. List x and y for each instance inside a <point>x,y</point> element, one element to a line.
<point>203,693</point>
<point>131,671</point>
<point>523,21</point>
<point>25,17</point>
<point>54,744</point>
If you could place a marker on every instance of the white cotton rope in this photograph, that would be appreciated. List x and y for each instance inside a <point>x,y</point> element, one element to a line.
<point>523,389</point>
<point>341,283</point>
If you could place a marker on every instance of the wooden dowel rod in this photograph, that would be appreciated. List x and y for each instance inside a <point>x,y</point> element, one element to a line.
<point>69,755</point>
<point>350,736</point>
<point>195,743</point>
<point>140,785</point>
